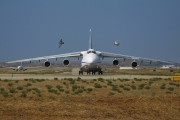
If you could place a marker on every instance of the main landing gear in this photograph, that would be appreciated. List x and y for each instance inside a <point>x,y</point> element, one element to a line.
<point>91,72</point>
<point>80,72</point>
<point>100,72</point>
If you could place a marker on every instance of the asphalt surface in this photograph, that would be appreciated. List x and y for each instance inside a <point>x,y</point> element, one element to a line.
<point>59,76</point>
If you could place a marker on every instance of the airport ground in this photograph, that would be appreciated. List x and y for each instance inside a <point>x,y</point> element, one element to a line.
<point>55,93</point>
<point>60,73</point>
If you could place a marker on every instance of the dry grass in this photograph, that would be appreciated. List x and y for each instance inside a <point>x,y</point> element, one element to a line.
<point>34,70</point>
<point>107,71</point>
<point>43,99</point>
<point>145,71</point>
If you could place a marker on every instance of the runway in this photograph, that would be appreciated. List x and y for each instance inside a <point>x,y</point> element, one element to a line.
<point>86,77</point>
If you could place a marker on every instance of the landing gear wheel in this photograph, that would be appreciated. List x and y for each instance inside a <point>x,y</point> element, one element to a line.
<point>80,72</point>
<point>100,72</point>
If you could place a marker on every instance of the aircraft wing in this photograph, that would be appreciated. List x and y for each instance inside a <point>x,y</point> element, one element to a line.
<point>113,55</point>
<point>74,54</point>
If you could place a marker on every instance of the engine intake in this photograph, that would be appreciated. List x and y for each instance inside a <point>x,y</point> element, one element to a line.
<point>134,64</point>
<point>47,63</point>
<point>66,62</point>
<point>115,62</point>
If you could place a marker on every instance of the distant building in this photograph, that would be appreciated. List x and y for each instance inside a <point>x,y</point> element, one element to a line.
<point>127,68</point>
<point>168,66</point>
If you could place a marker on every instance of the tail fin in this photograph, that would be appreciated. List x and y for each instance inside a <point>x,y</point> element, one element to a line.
<point>90,40</point>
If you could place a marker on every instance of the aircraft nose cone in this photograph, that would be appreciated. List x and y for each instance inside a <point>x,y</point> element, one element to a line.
<point>93,60</point>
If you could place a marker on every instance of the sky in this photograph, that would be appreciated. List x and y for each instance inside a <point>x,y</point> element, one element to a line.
<point>144,28</point>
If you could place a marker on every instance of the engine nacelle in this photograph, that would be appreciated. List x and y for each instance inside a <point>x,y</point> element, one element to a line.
<point>115,62</point>
<point>47,63</point>
<point>66,62</point>
<point>134,64</point>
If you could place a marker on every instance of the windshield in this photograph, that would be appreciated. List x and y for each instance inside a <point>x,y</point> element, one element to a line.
<point>91,51</point>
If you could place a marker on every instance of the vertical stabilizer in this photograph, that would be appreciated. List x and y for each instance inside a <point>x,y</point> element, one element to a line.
<point>90,40</point>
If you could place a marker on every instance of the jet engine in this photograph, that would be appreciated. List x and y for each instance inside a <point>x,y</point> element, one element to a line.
<point>134,64</point>
<point>66,62</point>
<point>115,62</point>
<point>47,63</point>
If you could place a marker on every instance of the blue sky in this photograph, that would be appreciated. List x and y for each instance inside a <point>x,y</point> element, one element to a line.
<point>144,28</point>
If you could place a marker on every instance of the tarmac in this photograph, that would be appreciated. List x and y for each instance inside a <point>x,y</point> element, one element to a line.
<point>86,77</point>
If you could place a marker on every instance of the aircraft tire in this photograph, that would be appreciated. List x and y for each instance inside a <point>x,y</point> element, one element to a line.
<point>80,72</point>
<point>100,72</point>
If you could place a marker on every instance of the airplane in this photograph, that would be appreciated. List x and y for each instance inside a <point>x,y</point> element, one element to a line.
<point>18,68</point>
<point>116,43</point>
<point>60,43</point>
<point>91,60</point>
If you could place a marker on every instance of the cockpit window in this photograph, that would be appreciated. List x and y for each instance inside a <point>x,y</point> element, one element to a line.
<point>91,51</point>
